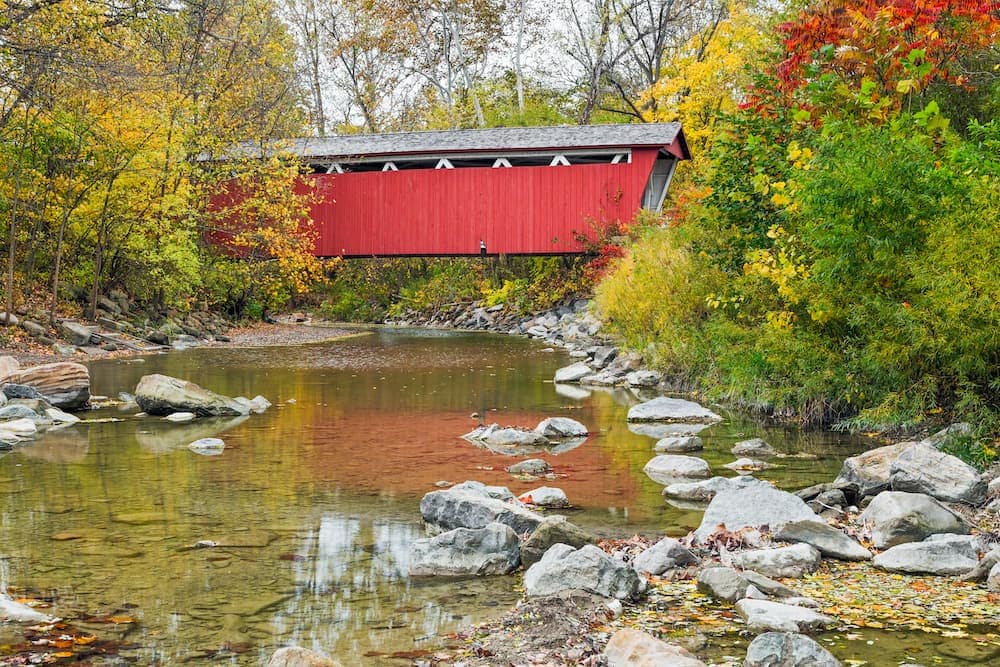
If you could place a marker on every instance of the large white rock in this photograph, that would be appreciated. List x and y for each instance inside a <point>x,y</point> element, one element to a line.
<point>470,505</point>
<point>787,649</point>
<point>764,616</point>
<point>669,468</point>
<point>868,473</point>
<point>161,395</point>
<point>561,427</point>
<point>493,549</point>
<point>587,568</point>
<point>896,517</point>
<point>666,409</point>
<point>634,648</point>
<point>573,372</point>
<point>922,468</point>
<point>545,496</point>
<point>940,555</point>
<point>296,656</point>
<point>753,505</point>
<point>793,561</point>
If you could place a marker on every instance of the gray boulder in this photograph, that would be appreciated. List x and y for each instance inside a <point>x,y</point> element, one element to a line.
<point>825,538</point>
<point>665,555</point>
<point>924,469</point>
<point>603,356</point>
<point>513,437</point>
<point>753,505</point>
<point>13,390</point>
<point>665,409</point>
<point>553,530</point>
<point>75,333</point>
<point>470,505</point>
<point>896,517</point>
<point>529,467</point>
<point>787,649</point>
<point>34,329</point>
<point>668,468</point>
<point>545,496</point>
<point>955,554</point>
<point>993,578</point>
<point>161,395</point>
<point>573,372</point>
<point>868,474</point>
<point>561,427</point>
<point>13,411</point>
<point>493,549</point>
<point>679,444</point>
<point>66,385</point>
<point>753,447</point>
<point>587,568</point>
<point>948,434</point>
<point>765,616</point>
<point>730,585</point>
<point>635,648</point>
<point>796,561</point>
<point>643,379</point>
<point>745,465</point>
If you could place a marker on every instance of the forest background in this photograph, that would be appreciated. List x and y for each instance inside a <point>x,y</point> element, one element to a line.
<point>830,255</point>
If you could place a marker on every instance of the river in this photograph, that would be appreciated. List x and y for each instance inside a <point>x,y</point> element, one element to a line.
<point>313,504</point>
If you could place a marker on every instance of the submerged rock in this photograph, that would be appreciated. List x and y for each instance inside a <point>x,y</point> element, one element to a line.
<point>493,549</point>
<point>897,517</point>
<point>15,612</point>
<point>295,656</point>
<point>634,648</point>
<point>208,446</point>
<point>671,409</point>
<point>161,395</point>
<point>748,465</point>
<point>587,568</point>
<point>787,649</point>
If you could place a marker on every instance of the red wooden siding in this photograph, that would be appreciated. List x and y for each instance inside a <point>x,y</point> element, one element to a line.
<point>518,210</point>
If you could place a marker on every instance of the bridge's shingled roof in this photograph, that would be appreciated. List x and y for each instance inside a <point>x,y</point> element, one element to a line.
<point>490,140</point>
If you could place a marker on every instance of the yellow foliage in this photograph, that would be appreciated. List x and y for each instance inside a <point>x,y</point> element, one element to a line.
<point>708,76</point>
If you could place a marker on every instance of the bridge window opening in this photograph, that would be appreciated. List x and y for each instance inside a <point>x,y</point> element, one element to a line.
<point>355,165</point>
<point>659,181</point>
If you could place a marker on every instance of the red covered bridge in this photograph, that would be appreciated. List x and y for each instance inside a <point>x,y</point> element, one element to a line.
<point>519,190</point>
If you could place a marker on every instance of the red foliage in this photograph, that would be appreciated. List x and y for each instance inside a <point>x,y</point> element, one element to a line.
<point>871,39</point>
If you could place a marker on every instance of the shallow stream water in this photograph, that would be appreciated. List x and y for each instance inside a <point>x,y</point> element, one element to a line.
<point>313,504</point>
